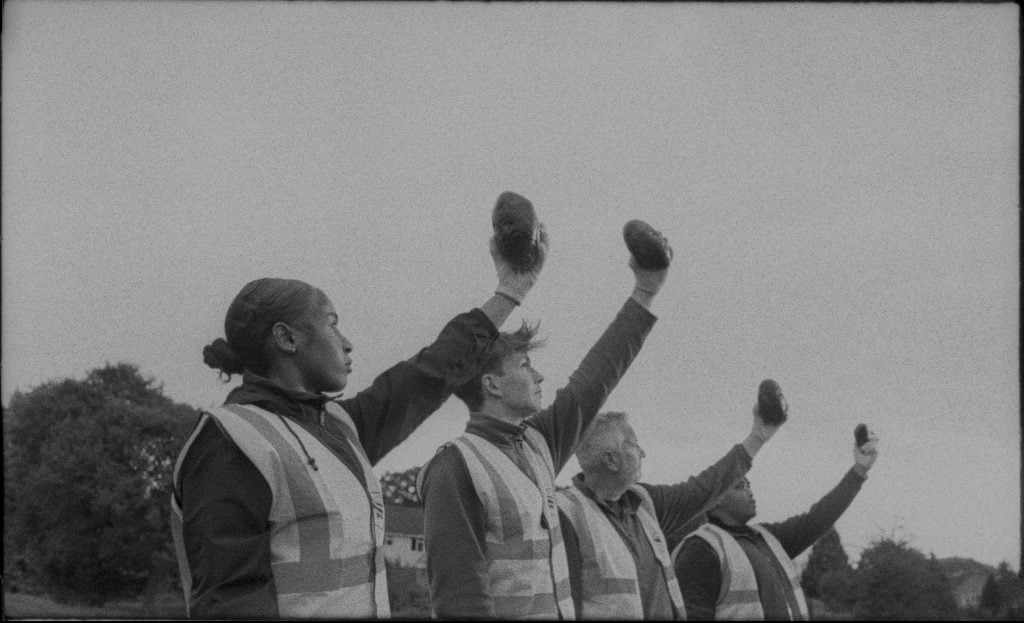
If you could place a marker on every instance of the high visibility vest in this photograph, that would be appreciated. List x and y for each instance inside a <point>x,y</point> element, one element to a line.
<point>610,586</point>
<point>326,529</point>
<point>527,574</point>
<point>739,598</point>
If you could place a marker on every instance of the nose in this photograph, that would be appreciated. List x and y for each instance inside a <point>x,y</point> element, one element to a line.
<point>642,453</point>
<point>537,377</point>
<point>346,347</point>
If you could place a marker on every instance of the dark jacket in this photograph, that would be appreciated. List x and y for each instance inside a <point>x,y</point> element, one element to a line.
<point>454,517</point>
<point>700,572</point>
<point>674,507</point>
<point>226,501</point>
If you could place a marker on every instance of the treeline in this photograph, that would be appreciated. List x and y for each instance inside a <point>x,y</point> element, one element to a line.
<point>87,483</point>
<point>894,581</point>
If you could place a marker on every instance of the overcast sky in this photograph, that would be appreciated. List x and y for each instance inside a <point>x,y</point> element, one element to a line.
<point>839,183</point>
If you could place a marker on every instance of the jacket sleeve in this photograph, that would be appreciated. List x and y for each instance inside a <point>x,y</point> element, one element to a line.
<point>700,579</point>
<point>801,531</point>
<point>455,532</point>
<point>405,395</point>
<point>576,404</point>
<point>676,505</point>
<point>226,504</point>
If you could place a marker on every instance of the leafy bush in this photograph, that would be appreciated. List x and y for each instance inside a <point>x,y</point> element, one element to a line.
<point>897,582</point>
<point>399,488</point>
<point>87,478</point>
<point>827,556</point>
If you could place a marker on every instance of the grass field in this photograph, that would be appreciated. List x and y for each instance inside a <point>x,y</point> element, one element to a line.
<point>22,606</point>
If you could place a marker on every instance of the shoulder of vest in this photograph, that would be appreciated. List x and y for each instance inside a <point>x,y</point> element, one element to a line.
<point>536,437</point>
<point>229,410</point>
<point>223,416</point>
<point>539,442</point>
<point>645,496</point>
<point>336,410</point>
<point>710,527</point>
<point>705,532</point>
<point>766,534</point>
<point>569,497</point>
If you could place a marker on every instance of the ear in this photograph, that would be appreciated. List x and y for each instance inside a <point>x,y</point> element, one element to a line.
<point>285,338</point>
<point>611,461</point>
<point>490,386</point>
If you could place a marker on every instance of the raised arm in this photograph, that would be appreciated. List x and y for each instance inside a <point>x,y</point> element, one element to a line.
<point>677,505</point>
<point>401,398</point>
<point>575,405</point>
<point>800,532</point>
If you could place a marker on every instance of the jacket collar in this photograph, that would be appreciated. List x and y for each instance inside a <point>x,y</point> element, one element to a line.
<point>262,392</point>
<point>744,530</point>
<point>496,431</point>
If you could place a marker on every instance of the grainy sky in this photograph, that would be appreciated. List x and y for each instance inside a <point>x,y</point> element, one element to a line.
<point>839,182</point>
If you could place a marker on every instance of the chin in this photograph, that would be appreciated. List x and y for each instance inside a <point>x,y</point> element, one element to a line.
<point>336,387</point>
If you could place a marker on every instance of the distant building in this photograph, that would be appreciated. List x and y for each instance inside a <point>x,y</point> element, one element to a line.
<point>967,590</point>
<point>403,537</point>
<point>966,578</point>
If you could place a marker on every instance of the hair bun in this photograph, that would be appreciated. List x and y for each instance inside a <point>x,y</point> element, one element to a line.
<point>220,356</point>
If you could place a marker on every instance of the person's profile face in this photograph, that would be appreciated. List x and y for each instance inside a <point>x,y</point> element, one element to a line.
<point>519,384</point>
<point>737,504</point>
<point>323,356</point>
<point>632,455</point>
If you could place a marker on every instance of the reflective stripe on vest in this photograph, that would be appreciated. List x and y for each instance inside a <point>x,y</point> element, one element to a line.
<point>326,530</point>
<point>610,586</point>
<point>739,598</point>
<point>528,576</point>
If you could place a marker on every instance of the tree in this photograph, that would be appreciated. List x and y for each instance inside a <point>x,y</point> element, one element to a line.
<point>941,588</point>
<point>1002,597</point>
<point>399,488</point>
<point>826,555</point>
<point>839,589</point>
<point>991,600</point>
<point>87,479</point>
<point>895,581</point>
<point>1011,587</point>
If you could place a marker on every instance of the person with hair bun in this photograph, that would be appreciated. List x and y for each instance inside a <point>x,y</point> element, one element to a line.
<point>277,510</point>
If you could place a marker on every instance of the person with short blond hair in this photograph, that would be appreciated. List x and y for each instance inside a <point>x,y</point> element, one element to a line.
<point>494,547</point>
